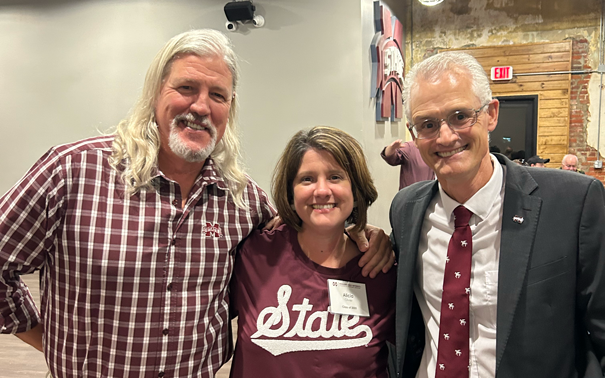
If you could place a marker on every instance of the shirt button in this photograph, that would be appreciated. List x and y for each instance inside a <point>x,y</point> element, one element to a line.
<point>161,374</point>
<point>166,331</point>
<point>173,242</point>
<point>175,202</point>
<point>169,286</point>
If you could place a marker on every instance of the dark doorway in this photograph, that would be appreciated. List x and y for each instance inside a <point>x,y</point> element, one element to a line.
<point>517,126</point>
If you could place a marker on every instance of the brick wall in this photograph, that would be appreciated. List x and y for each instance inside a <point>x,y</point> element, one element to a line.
<point>579,112</point>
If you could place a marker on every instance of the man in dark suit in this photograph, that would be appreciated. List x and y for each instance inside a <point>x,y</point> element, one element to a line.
<point>534,304</point>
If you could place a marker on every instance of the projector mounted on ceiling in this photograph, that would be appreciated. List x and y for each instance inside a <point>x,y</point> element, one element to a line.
<point>241,11</point>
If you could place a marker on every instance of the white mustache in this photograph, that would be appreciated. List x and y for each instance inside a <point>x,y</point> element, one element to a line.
<point>190,118</point>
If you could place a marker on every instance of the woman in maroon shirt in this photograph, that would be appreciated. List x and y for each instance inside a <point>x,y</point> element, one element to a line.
<point>304,307</point>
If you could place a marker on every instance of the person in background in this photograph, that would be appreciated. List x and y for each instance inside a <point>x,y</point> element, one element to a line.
<point>537,161</point>
<point>508,152</point>
<point>570,163</point>
<point>304,308</point>
<point>413,168</point>
<point>518,155</point>
<point>500,267</point>
<point>136,231</point>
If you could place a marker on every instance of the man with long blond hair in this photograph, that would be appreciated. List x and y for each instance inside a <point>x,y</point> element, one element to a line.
<point>136,231</point>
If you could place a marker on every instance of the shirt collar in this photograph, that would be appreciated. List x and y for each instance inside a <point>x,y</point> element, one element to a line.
<point>481,202</point>
<point>209,173</point>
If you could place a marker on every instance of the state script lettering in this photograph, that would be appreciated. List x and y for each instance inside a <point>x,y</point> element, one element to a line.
<point>273,322</point>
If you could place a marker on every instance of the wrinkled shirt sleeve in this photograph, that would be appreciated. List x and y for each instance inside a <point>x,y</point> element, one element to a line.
<point>29,215</point>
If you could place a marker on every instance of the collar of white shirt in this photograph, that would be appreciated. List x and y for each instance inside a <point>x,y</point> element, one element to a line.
<point>481,202</point>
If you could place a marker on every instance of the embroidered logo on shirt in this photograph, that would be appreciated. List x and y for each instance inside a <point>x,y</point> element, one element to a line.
<point>276,342</point>
<point>212,230</point>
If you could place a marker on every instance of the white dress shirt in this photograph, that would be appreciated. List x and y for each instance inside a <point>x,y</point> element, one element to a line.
<point>437,229</point>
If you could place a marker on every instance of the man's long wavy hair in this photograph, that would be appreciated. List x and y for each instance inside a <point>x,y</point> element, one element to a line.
<point>137,139</point>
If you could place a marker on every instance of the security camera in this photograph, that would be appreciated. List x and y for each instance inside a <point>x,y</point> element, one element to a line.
<point>258,21</point>
<point>243,12</point>
<point>239,10</point>
<point>231,26</point>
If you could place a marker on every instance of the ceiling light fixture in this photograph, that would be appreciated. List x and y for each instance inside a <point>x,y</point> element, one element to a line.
<point>430,3</point>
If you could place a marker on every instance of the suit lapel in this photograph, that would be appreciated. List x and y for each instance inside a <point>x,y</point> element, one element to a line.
<point>515,250</point>
<point>409,225</point>
<point>519,223</point>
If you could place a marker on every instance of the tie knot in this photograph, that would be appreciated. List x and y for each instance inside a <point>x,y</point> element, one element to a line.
<point>462,216</point>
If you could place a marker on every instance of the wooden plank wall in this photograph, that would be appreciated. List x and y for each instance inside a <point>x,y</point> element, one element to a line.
<point>552,90</point>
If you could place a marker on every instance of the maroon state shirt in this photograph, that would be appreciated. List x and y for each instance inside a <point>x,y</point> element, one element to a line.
<point>284,327</point>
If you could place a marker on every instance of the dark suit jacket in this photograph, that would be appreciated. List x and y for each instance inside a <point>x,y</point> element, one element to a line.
<point>551,280</point>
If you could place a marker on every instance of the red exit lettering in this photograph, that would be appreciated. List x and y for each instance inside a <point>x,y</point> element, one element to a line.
<point>502,73</point>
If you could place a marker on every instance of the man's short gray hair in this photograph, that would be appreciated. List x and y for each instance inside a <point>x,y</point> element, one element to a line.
<point>570,156</point>
<point>436,66</point>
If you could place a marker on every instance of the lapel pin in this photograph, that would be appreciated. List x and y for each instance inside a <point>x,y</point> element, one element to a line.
<point>518,219</point>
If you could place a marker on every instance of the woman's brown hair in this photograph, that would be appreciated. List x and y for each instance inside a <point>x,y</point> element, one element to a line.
<point>348,154</point>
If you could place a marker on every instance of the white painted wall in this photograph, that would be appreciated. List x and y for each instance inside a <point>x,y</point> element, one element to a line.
<point>377,135</point>
<point>595,127</point>
<point>72,68</point>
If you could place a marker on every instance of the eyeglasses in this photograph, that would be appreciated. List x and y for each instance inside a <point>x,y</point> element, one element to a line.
<point>457,120</point>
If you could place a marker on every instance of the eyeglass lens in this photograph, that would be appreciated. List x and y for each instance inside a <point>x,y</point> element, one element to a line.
<point>457,120</point>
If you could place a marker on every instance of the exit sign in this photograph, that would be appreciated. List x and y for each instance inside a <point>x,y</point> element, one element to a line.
<point>502,73</point>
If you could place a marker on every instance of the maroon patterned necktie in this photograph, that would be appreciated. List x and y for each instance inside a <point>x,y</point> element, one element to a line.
<point>453,351</point>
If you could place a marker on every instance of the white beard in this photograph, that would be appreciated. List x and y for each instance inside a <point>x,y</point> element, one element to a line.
<point>181,149</point>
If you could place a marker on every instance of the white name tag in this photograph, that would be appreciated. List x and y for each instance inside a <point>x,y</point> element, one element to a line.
<point>348,298</point>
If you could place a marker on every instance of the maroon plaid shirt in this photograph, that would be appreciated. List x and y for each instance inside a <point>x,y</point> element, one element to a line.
<point>132,286</point>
